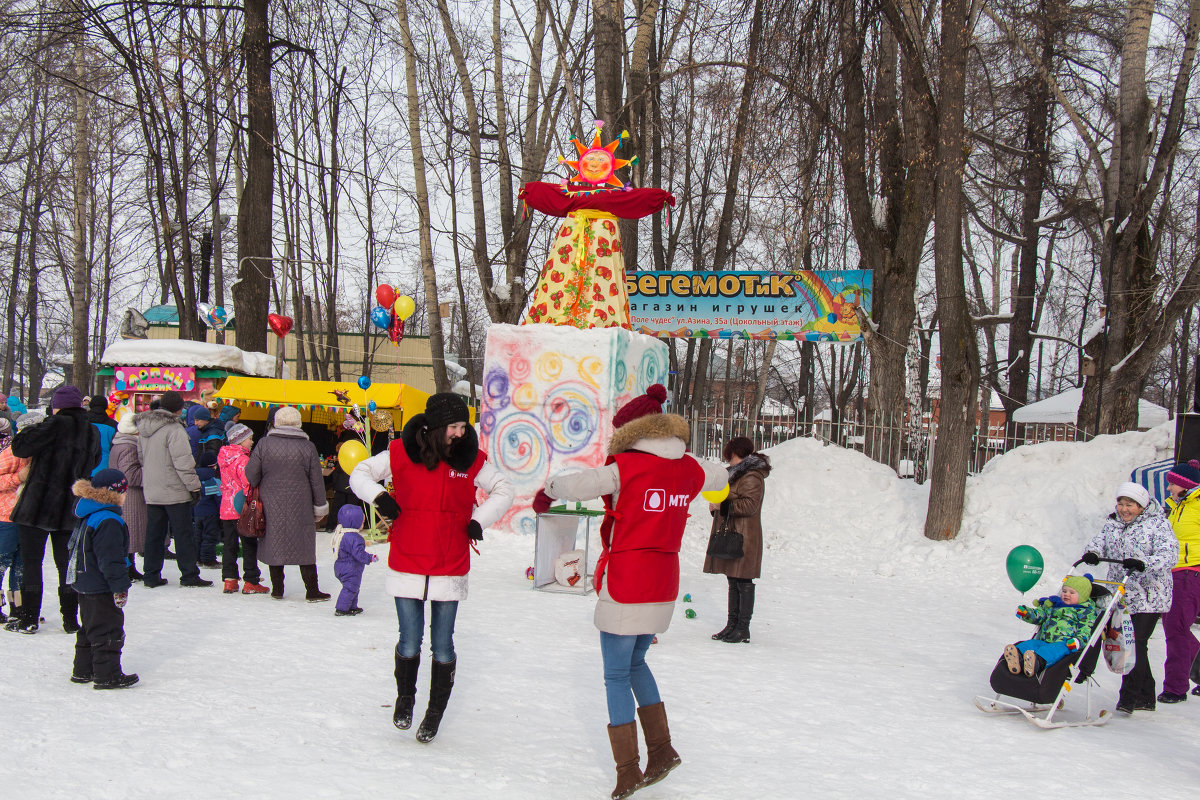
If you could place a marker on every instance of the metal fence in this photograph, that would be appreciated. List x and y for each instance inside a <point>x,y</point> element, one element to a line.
<point>908,445</point>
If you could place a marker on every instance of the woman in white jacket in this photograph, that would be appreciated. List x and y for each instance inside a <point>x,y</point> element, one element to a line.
<point>1139,536</point>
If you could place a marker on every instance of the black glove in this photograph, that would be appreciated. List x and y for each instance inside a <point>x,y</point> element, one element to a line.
<point>195,497</point>
<point>387,506</point>
<point>724,507</point>
<point>1090,558</point>
<point>475,531</point>
<point>1134,565</point>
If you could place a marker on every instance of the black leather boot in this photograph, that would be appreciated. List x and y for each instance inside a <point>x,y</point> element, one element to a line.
<point>312,592</point>
<point>741,632</point>
<point>731,623</point>
<point>440,685</point>
<point>406,690</point>
<point>68,604</point>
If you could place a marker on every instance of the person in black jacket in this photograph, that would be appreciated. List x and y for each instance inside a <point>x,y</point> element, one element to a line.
<point>63,448</point>
<point>99,573</point>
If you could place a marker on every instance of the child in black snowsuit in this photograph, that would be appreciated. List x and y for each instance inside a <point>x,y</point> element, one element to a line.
<point>206,514</point>
<point>99,572</point>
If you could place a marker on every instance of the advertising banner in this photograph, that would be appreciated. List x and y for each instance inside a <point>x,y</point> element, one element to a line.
<point>154,379</point>
<point>806,305</point>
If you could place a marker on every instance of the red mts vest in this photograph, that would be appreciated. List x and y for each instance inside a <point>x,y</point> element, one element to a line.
<point>430,537</point>
<point>642,534</point>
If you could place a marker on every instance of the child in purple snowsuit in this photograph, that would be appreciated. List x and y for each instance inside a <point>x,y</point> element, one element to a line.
<point>352,559</point>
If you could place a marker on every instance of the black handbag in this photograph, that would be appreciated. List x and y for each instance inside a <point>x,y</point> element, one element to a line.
<point>725,542</point>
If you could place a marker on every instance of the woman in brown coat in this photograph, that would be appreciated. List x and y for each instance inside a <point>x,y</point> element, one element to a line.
<point>287,471</point>
<point>124,456</point>
<point>742,512</point>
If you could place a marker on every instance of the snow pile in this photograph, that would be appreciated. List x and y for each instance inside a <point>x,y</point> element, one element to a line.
<point>186,353</point>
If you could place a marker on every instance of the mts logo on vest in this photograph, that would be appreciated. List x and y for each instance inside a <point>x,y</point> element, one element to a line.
<point>456,474</point>
<point>659,500</point>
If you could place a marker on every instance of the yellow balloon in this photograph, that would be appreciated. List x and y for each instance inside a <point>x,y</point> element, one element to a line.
<point>350,454</point>
<point>404,306</point>
<point>716,495</point>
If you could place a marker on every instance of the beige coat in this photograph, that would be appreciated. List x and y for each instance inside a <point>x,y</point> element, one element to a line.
<point>745,517</point>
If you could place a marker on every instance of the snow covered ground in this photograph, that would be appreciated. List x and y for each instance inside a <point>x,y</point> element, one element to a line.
<point>869,643</point>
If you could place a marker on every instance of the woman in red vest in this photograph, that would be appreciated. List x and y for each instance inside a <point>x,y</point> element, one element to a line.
<point>648,484</point>
<point>435,467</point>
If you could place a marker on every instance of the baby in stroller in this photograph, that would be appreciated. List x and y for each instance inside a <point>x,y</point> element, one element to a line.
<point>1065,622</point>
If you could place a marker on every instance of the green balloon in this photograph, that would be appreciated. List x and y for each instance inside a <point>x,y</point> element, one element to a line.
<point>1024,567</point>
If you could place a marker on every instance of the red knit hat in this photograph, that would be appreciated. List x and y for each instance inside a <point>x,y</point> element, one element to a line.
<point>1186,475</point>
<point>649,403</point>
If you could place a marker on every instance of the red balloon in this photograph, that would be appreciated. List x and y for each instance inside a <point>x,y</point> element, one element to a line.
<point>396,330</point>
<point>279,325</point>
<point>386,296</point>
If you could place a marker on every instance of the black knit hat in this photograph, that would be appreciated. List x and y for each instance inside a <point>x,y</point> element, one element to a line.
<point>111,479</point>
<point>171,401</point>
<point>444,409</point>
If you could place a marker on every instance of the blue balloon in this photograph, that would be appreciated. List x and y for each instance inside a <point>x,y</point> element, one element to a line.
<point>364,383</point>
<point>371,406</point>
<point>381,317</point>
<point>239,502</point>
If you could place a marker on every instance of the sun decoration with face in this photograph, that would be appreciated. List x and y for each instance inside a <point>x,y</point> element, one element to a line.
<point>596,167</point>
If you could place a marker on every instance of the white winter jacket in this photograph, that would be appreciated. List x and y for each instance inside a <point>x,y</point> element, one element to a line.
<point>1147,537</point>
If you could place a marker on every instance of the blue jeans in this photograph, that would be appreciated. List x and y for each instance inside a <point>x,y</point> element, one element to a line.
<point>411,615</point>
<point>626,675</point>
<point>1050,652</point>
<point>10,556</point>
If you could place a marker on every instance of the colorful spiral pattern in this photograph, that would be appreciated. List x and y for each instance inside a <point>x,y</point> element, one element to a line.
<point>572,411</point>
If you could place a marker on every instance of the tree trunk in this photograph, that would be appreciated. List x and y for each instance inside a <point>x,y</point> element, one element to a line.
<point>737,148</point>
<point>1039,112</point>
<point>1136,331</point>
<point>251,293</point>
<point>960,356</point>
<point>889,227</point>
<point>81,364</point>
<point>437,348</point>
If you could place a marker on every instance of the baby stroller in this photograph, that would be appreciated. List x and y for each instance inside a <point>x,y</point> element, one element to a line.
<point>1046,692</point>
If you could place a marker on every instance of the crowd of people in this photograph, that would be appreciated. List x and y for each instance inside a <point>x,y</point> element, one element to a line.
<point>183,474</point>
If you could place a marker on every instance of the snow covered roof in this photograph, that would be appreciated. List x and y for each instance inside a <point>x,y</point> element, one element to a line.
<point>1064,408</point>
<point>186,353</point>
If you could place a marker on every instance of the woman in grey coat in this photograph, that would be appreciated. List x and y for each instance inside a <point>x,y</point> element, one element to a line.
<point>124,456</point>
<point>287,471</point>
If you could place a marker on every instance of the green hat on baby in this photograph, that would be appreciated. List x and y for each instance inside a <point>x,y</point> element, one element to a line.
<point>1080,584</point>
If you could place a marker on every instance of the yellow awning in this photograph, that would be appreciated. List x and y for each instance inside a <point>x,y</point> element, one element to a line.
<point>321,396</point>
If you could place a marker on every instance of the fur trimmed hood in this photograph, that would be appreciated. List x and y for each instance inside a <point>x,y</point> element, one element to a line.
<point>651,426</point>
<point>150,422</point>
<point>84,490</point>
<point>462,458</point>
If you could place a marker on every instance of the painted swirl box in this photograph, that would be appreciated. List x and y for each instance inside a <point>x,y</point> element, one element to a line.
<point>549,394</point>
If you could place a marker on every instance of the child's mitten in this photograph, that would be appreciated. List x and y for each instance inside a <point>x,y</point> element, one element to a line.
<point>374,558</point>
<point>1022,611</point>
<point>1073,645</point>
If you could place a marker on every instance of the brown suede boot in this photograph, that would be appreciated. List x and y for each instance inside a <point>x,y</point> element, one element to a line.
<point>624,741</point>
<point>661,758</point>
